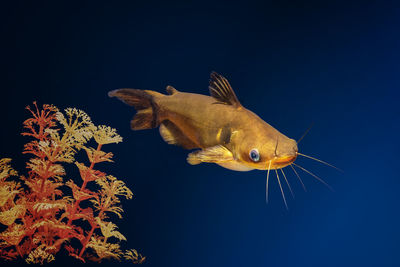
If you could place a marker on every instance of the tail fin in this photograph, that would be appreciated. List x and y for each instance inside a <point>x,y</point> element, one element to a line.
<point>147,109</point>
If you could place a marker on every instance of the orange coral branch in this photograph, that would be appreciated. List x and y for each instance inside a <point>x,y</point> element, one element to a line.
<point>85,180</point>
<point>87,240</point>
<point>35,217</point>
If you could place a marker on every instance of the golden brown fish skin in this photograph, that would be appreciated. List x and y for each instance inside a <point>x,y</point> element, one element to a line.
<point>225,131</point>
<point>199,117</point>
<point>207,123</point>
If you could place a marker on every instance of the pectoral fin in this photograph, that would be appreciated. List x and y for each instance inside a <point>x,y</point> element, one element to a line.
<point>216,154</point>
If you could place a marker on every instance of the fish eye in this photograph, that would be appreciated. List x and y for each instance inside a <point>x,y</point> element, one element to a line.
<point>254,155</point>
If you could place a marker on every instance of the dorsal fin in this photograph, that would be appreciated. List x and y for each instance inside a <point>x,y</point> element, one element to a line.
<point>221,90</point>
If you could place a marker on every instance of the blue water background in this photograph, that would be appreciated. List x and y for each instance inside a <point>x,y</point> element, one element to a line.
<point>292,63</point>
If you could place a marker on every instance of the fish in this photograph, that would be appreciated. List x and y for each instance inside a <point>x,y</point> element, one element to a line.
<point>218,128</point>
<point>226,133</point>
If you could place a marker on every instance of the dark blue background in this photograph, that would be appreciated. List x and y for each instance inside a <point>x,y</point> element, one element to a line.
<point>292,63</point>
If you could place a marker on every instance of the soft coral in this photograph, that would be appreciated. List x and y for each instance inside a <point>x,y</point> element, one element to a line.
<point>41,218</point>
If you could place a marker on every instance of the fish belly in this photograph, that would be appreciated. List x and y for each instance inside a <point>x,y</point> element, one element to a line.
<point>235,166</point>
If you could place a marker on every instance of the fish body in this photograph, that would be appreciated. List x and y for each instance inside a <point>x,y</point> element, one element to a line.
<point>226,133</point>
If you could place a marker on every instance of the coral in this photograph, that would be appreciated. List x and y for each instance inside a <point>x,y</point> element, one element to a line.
<point>43,212</point>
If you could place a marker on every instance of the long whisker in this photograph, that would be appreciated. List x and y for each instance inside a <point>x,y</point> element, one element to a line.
<point>305,133</point>
<point>266,183</point>
<point>283,194</point>
<point>287,182</point>
<point>321,161</point>
<point>315,176</point>
<point>298,176</point>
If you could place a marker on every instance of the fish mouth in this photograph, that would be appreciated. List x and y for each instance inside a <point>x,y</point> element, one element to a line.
<point>282,162</point>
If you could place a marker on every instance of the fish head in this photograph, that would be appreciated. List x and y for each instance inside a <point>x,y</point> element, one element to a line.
<point>269,151</point>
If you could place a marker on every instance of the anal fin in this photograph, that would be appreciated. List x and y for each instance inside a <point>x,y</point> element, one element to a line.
<point>174,136</point>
